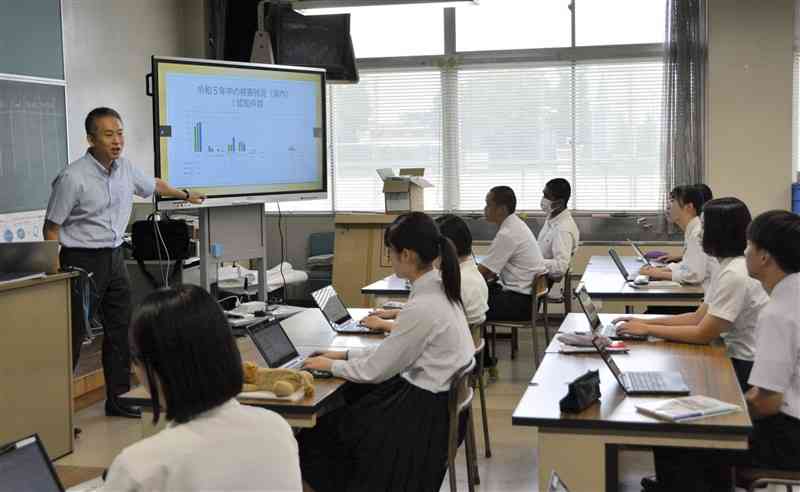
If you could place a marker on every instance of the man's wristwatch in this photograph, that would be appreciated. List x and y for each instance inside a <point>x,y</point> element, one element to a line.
<point>187,194</point>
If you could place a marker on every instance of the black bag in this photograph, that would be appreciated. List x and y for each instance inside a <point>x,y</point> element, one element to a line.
<point>583,392</point>
<point>147,243</point>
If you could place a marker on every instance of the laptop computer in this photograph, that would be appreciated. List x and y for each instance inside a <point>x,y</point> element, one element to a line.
<point>642,257</point>
<point>555,484</point>
<point>621,266</point>
<point>598,328</point>
<point>336,312</point>
<point>276,348</point>
<point>643,382</point>
<point>24,466</point>
<point>29,257</point>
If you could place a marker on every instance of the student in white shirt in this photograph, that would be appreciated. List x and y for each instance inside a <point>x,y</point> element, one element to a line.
<point>708,195</point>
<point>474,292</point>
<point>392,434</point>
<point>685,206</point>
<point>514,258</point>
<point>184,352</point>
<point>773,401</point>
<point>559,237</point>
<point>733,300</point>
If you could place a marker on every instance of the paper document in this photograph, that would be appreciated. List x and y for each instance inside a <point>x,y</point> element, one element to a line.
<point>687,408</point>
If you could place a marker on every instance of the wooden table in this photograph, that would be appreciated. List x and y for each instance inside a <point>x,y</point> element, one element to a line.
<point>71,476</point>
<point>309,331</point>
<point>582,448</point>
<point>605,283</point>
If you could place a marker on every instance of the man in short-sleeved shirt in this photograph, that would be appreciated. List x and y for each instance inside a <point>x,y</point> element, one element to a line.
<point>513,259</point>
<point>559,237</point>
<point>89,208</point>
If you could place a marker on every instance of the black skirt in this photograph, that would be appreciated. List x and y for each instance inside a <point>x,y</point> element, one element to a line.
<point>390,437</point>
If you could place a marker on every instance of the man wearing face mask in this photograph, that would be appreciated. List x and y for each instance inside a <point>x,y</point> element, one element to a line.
<point>559,236</point>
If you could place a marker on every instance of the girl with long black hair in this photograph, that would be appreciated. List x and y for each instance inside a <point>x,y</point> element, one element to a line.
<point>392,435</point>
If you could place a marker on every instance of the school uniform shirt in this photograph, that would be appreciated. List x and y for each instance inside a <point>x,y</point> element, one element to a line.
<point>474,293</point>
<point>514,255</point>
<point>429,343</point>
<point>694,267</point>
<point>777,363</point>
<point>558,241</point>
<point>734,296</point>
<point>229,448</point>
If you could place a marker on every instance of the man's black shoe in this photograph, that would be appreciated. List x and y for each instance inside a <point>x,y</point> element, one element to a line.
<point>114,408</point>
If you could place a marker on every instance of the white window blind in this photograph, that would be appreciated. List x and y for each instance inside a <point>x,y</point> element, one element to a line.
<point>389,119</point>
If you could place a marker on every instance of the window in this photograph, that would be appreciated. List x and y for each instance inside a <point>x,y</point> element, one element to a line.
<point>511,101</point>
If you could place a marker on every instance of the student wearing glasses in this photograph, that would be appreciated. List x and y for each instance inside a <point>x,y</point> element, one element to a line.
<point>184,352</point>
<point>392,434</point>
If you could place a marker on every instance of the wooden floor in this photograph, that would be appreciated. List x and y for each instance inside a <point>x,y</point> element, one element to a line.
<point>511,468</point>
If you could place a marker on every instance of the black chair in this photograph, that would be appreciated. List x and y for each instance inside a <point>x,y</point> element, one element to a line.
<point>460,398</point>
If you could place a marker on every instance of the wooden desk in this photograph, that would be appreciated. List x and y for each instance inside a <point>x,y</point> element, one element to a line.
<point>71,476</point>
<point>36,362</point>
<point>583,447</point>
<point>309,331</point>
<point>604,282</point>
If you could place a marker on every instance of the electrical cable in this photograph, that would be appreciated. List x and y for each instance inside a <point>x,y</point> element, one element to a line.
<point>280,266</point>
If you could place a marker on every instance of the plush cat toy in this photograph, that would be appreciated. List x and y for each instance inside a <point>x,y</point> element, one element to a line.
<point>282,382</point>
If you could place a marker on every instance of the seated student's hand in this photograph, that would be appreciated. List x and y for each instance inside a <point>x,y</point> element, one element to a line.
<point>656,273</point>
<point>318,363</point>
<point>384,313</point>
<point>376,323</point>
<point>633,327</point>
<point>329,354</point>
<point>669,258</point>
<point>622,319</point>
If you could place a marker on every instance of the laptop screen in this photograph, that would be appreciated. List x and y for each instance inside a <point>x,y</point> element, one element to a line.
<point>606,356</point>
<point>589,309</point>
<point>24,467</point>
<point>332,307</point>
<point>617,261</point>
<point>273,343</point>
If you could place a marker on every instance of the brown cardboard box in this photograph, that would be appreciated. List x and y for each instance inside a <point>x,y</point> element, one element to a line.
<point>405,192</point>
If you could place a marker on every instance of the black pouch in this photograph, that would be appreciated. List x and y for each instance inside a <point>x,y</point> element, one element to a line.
<point>584,391</point>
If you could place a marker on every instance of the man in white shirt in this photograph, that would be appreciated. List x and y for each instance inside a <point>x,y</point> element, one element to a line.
<point>514,258</point>
<point>685,206</point>
<point>559,237</point>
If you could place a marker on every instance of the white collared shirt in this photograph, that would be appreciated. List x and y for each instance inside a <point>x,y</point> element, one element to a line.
<point>558,241</point>
<point>696,267</point>
<point>514,255</point>
<point>232,447</point>
<point>777,364</point>
<point>474,293</point>
<point>734,296</point>
<point>429,343</point>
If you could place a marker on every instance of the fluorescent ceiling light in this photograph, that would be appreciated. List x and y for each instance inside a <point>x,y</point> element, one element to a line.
<point>326,7</point>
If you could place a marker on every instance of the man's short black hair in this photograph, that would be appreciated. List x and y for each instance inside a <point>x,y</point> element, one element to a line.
<point>454,227</point>
<point>778,233</point>
<point>91,119</point>
<point>705,190</point>
<point>181,336</point>
<point>725,222</point>
<point>503,196</point>
<point>688,194</point>
<point>560,189</point>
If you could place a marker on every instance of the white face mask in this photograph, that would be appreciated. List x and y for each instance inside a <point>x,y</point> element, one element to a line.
<point>547,205</point>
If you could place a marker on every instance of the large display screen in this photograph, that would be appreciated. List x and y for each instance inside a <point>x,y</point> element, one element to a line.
<point>238,131</point>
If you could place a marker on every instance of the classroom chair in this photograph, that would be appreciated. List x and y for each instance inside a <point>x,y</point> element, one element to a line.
<point>539,291</point>
<point>753,478</point>
<point>459,403</point>
<point>477,382</point>
<point>565,299</point>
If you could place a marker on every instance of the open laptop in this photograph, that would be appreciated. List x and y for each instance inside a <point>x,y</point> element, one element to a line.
<point>24,466</point>
<point>621,266</point>
<point>336,312</point>
<point>597,327</point>
<point>643,383</point>
<point>642,257</point>
<point>29,257</point>
<point>276,348</point>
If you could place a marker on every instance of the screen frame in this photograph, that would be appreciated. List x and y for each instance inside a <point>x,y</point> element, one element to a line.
<point>164,203</point>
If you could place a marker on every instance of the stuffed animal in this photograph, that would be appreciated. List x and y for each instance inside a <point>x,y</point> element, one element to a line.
<point>282,382</point>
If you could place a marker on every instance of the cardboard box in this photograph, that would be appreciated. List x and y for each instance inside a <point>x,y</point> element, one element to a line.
<point>404,192</point>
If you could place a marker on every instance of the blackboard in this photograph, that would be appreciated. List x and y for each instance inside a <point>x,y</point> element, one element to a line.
<point>30,38</point>
<point>33,143</point>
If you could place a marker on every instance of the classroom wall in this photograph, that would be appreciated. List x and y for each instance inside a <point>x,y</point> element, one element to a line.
<point>107,45</point>
<point>749,147</point>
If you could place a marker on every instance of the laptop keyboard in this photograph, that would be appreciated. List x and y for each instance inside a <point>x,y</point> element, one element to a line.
<point>645,381</point>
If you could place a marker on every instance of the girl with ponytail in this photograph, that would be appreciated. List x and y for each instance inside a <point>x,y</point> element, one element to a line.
<point>392,435</point>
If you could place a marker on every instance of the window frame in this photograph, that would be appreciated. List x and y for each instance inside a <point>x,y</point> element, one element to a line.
<point>458,59</point>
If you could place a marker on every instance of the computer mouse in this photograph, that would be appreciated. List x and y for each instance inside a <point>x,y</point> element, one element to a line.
<point>641,280</point>
<point>320,374</point>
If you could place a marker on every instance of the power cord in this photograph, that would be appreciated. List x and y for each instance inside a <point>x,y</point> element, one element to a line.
<point>283,254</point>
<point>160,237</point>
